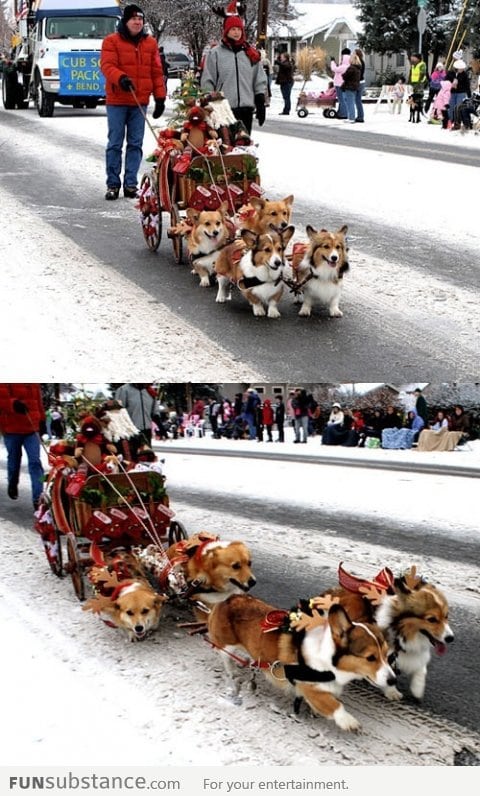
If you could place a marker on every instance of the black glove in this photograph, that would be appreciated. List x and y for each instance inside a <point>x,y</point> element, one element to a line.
<point>260,106</point>
<point>159,108</point>
<point>126,83</point>
<point>19,407</point>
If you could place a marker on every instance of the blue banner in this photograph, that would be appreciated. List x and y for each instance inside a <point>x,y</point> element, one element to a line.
<point>80,74</point>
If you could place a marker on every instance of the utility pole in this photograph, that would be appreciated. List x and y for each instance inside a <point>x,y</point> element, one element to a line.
<point>262,22</point>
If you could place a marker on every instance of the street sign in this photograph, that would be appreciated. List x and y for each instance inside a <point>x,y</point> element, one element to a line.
<point>421,20</point>
<point>80,74</point>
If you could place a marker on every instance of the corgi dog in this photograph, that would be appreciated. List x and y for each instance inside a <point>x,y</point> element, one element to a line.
<point>316,654</point>
<point>123,601</point>
<point>213,569</point>
<point>319,267</point>
<point>208,232</point>
<point>262,214</point>
<point>255,264</point>
<point>413,615</point>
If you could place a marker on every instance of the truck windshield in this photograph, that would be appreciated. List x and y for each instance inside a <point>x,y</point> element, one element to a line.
<point>80,27</point>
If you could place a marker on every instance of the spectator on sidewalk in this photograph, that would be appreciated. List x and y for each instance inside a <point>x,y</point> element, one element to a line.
<point>360,115</point>
<point>143,408</point>
<point>280,418</point>
<point>421,407</point>
<point>435,84</point>
<point>338,72</point>
<point>333,433</point>
<point>285,79</point>
<point>268,418</point>
<point>22,418</point>
<point>300,406</point>
<point>417,76</point>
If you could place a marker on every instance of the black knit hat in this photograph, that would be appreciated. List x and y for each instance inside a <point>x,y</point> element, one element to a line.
<point>130,11</point>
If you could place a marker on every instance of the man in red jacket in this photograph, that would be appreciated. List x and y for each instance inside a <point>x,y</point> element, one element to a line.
<point>21,413</point>
<point>132,69</point>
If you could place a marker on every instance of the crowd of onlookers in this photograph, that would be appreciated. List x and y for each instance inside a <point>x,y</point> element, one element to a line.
<point>248,415</point>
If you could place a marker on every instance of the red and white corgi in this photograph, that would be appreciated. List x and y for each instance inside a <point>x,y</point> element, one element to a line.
<point>319,267</point>
<point>213,569</point>
<point>262,214</point>
<point>255,264</point>
<point>210,231</point>
<point>319,656</point>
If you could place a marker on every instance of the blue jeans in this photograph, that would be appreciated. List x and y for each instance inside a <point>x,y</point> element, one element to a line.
<point>455,100</point>
<point>14,444</point>
<point>342,108</point>
<point>349,97</point>
<point>301,425</point>
<point>358,101</point>
<point>121,119</point>
<point>286,89</point>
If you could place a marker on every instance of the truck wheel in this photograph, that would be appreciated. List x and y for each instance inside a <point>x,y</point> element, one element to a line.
<point>9,90</point>
<point>44,101</point>
<point>91,103</point>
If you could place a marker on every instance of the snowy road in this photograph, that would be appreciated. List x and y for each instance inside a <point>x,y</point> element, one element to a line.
<point>95,699</point>
<point>72,261</point>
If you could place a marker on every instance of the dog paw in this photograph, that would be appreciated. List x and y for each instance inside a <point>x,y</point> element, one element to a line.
<point>393,694</point>
<point>336,313</point>
<point>220,299</point>
<point>273,312</point>
<point>345,720</point>
<point>204,281</point>
<point>305,312</point>
<point>258,310</point>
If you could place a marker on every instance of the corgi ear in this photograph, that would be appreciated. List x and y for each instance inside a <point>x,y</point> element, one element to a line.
<point>287,234</point>
<point>192,214</point>
<point>311,231</point>
<point>257,202</point>
<point>340,625</point>
<point>343,230</point>
<point>223,209</point>
<point>288,200</point>
<point>249,238</point>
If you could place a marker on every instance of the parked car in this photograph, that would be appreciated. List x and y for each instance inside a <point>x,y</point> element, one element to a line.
<point>178,64</point>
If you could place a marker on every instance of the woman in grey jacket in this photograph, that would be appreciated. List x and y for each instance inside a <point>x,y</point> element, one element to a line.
<point>234,67</point>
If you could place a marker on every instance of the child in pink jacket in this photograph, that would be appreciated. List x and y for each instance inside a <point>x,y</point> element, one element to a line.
<point>338,72</point>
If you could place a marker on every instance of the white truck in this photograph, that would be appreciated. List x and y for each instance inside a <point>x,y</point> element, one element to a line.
<point>57,54</point>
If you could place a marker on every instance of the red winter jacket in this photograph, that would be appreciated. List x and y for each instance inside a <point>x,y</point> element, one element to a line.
<point>267,413</point>
<point>13,423</point>
<point>139,61</point>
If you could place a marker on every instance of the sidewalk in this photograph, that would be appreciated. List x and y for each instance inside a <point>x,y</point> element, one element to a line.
<point>378,119</point>
<point>464,461</point>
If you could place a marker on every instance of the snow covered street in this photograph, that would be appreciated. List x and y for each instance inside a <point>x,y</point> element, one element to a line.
<point>68,272</point>
<point>95,699</point>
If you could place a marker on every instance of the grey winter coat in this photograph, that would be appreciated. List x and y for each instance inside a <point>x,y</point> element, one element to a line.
<point>234,74</point>
<point>140,405</point>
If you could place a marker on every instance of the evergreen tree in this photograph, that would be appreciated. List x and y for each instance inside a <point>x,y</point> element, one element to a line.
<point>390,26</point>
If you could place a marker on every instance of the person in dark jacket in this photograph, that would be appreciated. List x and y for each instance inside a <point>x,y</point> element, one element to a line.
<point>300,406</point>
<point>285,72</point>
<point>234,67</point>
<point>131,64</point>
<point>351,84</point>
<point>460,90</point>
<point>360,117</point>
<point>21,416</point>
<point>421,407</point>
<point>165,64</point>
<point>280,418</point>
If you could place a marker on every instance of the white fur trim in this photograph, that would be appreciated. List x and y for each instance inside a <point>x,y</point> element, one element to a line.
<point>120,426</point>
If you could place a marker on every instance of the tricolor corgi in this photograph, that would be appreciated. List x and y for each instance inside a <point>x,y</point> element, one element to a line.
<point>255,264</point>
<point>318,655</point>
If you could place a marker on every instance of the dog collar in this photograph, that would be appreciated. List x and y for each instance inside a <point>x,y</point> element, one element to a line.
<point>200,254</point>
<point>303,673</point>
<point>254,281</point>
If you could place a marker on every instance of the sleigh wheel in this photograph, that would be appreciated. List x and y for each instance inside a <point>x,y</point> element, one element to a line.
<point>177,240</point>
<point>151,212</point>
<point>75,566</point>
<point>176,532</point>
